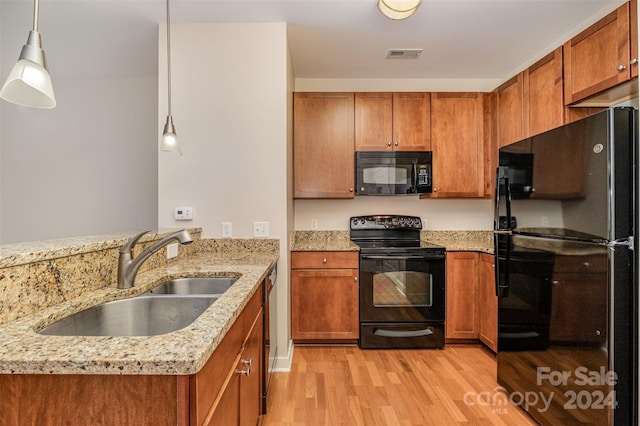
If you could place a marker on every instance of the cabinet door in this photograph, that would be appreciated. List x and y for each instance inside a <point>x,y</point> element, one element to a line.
<point>323,147</point>
<point>227,411</point>
<point>488,322</point>
<point>633,31</point>
<point>509,99</point>
<point>598,58</point>
<point>543,94</point>
<point>374,125</point>
<point>412,121</point>
<point>458,145</point>
<point>250,382</point>
<point>324,304</point>
<point>462,295</point>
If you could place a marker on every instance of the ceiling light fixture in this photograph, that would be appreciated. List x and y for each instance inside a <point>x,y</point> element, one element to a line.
<point>398,9</point>
<point>169,140</point>
<point>29,83</point>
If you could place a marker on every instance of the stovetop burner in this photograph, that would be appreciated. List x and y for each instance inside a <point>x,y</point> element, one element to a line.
<point>390,233</point>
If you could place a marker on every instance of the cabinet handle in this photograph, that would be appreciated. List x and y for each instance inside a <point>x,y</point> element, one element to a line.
<point>244,372</point>
<point>435,189</point>
<point>397,143</point>
<point>324,260</point>
<point>621,68</point>
<point>248,362</point>
<point>634,61</point>
<point>350,189</point>
<point>355,279</point>
<point>388,143</point>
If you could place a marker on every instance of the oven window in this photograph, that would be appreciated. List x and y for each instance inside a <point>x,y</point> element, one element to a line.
<point>402,288</point>
<point>381,175</point>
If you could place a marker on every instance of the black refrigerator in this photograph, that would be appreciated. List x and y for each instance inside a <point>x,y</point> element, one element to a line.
<point>565,232</point>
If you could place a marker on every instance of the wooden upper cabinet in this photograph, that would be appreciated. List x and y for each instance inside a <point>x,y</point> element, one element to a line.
<point>387,121</point>
<point>412,121</point>
<point>323,145</point>
<point>599,57</point>
<point>633,31</point>
<point>457,131</point>
<point>509,112</point>
<point>543,94</point>
<point>374,127</point>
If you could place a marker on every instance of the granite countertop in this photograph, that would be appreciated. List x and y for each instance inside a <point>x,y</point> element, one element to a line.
<point>481,241</point>
<point>183,352</point>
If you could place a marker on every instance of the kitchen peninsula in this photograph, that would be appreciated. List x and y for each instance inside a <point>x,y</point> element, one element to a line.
<point>114,367</point>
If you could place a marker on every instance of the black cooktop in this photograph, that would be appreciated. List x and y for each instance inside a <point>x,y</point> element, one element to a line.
<point>390,233</point>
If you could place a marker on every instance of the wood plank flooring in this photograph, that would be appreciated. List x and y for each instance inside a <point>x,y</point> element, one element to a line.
<point>344,385</point>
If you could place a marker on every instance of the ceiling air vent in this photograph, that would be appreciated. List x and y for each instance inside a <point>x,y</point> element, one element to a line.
<point>403,53</point>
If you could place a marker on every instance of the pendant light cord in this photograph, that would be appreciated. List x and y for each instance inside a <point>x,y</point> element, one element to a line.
<point>168,55</point>
<point>36,7</point>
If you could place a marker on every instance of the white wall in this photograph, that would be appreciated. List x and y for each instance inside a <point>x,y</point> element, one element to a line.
<point>436,214</point>
<point>89,166</point>
<point>230,104</point>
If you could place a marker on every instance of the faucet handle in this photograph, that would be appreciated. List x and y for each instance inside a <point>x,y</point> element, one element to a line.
<point>128,246</point>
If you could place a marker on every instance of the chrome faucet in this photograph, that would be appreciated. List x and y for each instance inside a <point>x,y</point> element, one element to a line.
<point>128,266</point>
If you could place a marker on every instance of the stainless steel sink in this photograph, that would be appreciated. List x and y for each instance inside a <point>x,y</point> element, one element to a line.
<point>194,285</point>
<point>138,316</point>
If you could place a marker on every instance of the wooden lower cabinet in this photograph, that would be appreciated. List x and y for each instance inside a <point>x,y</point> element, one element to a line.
<point>462,312</point>
<point>324,296</point>
<point>216,395</point>
<point>488,322</point>
<point>472,305</point>
<point>239,401</point>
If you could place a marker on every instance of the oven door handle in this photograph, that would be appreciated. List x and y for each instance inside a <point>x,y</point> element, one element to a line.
<point>396,333</point>
<point>391,257</point>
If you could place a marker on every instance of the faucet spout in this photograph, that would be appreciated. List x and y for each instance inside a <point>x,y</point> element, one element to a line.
<point>128,266</point>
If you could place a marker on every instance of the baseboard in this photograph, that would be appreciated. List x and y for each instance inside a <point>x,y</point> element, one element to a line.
<point>283,363</point>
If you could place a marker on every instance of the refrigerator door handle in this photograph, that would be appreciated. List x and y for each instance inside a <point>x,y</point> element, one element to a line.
<point>501,181</point>
<point>621,242</point>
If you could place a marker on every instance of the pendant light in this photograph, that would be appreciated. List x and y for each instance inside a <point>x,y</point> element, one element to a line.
<point>398,9</point>
<point>29,83</point>
<point>169,140</point>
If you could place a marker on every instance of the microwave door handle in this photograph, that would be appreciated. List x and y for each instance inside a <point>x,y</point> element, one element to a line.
<point>414,177</point>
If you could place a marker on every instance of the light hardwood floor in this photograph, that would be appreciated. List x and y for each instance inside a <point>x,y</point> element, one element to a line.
<point>344,385</point>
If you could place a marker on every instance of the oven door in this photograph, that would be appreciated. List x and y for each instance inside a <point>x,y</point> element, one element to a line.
<point>402,287</point>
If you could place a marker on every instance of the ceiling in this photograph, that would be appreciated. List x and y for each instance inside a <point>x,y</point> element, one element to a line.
<point>460,39</point>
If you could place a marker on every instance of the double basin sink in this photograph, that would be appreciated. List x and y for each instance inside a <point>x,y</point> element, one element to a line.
<point>166,308</point>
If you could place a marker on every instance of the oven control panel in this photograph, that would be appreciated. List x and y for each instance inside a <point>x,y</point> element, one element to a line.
<point>386,222</point>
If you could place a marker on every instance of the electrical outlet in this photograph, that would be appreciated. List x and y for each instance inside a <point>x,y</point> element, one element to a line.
<point>172,250</point>
<point>261,229</point>
<point>314,223</point>
<point>226,230</point>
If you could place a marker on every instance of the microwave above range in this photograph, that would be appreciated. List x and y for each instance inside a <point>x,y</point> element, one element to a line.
<point>393,172</point>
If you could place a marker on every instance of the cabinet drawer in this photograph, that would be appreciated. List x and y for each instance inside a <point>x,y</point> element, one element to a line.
<point>324,259</point>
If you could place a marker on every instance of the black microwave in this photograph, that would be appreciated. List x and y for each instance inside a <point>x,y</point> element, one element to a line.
<point>393,172</point>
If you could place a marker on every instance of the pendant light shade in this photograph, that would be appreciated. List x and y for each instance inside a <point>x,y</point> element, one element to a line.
<point>169,141</point>
<point>398,9</point>
<point>29,83</point>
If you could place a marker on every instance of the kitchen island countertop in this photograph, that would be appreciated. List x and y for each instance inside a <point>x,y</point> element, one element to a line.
<point>183,352</point>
